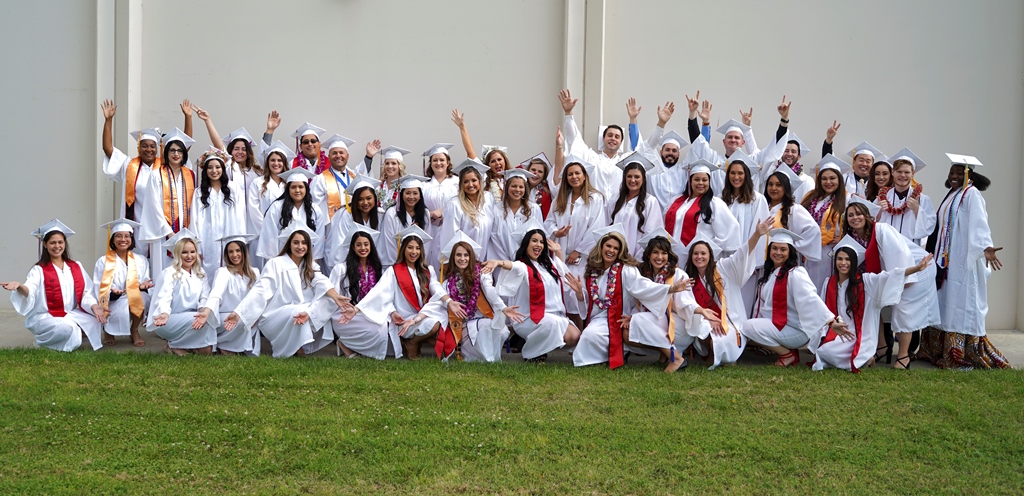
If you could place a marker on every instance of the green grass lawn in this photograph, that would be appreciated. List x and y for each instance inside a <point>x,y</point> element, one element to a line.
<point>147,423</point>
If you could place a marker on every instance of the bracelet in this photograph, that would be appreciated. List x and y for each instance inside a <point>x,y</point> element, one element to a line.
<point>784,121</point>
<point>707,124</point>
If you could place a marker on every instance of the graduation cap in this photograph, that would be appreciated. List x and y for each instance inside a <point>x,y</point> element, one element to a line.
<point>540,156</point>
<point>739,156</point>
<point>184,233</point>
<point>638,158</point>
<point>178,135</point>
<point>800,143</point>
<point>909,156</point>
<point>661,233</point>
<point>297,175</point>
<point>733,125</point>
<point>277,146</point>
<point>782,235</point>
<point>438,148</point>
<point>835,163</point>
<point>459,236</point>
<point>532,224</point>
<point>338,141</point>
<point>53,225</point>
<point>150,133</point>
<point>517,172</point>
<point>872,208</point>
<point>393,152</point>
<point>700,236</point>
<point>674,138</point>
<point>349,231</point>
<point>414,231</point>
<point>307,128</point>
<point>865,148</point>
<point>702,166</point>
<point>121,225</point>
<point>471,163</point>
<point>849,242</point>
<point>296,226</point>
<point>361,181</point>
<point>239,133</point>
<point>411,181</point>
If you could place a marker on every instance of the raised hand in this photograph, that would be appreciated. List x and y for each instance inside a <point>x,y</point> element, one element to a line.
<point>575,284</point>
<point>830,134</point>
<point>202,114</point>
<point>554,247</point>
<point>681,286</point>
<point>458,118</point>
<point>632,110</point>
<point>991,260</point>
<point>108,108</point>
<point>705,112</point>
<point>913,203</point>
<point>559,139</point>
<point>693,104</point>
<point>665,113</point>
<point>568,102</point>
<point>513,314</point>
<point>747,116</point>
<point>784,108</point>
<point>186,107</point>
<point>273,120</point>
<point>765,226</point>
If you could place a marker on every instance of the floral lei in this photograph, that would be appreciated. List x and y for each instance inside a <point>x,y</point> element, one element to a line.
<point>458,290</point>
<point>387,196</point>
<point>662,275</point>
<point>609,294</point>
<point>863,242</point>
<point>894,211</point>
<point>819,213</point>
<point>367,280</point>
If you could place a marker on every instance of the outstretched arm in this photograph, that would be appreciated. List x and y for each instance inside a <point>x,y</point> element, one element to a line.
<point>467,143</point>
<point>783,118</point>
<point>186,108</point>
<point>830,135</point>
<point>273,120</point>
<point>559,157</point>
<point>109,109</point>
<point>212,131</point>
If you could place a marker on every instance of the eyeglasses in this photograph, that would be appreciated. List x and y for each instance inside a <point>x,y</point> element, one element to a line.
<point>175,150</point>
<point>310,141</point>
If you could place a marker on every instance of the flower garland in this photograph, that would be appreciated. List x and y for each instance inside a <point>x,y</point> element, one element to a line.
<point>856,237</point>
<point>387,196</point>
<point>609,294</point>
<point>367,280</point>
<point>894,211</point>
<point>458,290</point>
<point>662,275</point>
<point>820,206</point>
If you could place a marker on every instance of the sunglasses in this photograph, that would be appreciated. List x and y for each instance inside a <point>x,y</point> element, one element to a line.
<point>310,141</point>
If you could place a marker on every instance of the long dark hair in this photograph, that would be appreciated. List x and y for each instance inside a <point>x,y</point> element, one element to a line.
<point>184,153</point>
<point>352,264</point>
<point>286,204</point>
<point>871,190</point>
<point>266,172</point>
<point>787,195</point>
<point>869,221</point>
<point>819,192</point>
<point>469,273</point>
<point>204,184</point>
<point>419,211</point>
<point>853,304</point>
<point>250,158</point>
<point>44,257</point>
<point>646,269</point>
<point>705,200</point>
<point>746,192</point>
<point>693,273</point>
<point>641,199</point>
<point>245,269</point>
<point>545,255</point>
<point>420,265</point>
<point>769,265</point>
<point>374,218</point>
<point>306,263</point>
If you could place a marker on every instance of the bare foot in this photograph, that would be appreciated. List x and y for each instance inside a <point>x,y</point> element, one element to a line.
<point>108,340</point>
<point>137,339</point>
<point>176,351</point>
<point>679,364</point>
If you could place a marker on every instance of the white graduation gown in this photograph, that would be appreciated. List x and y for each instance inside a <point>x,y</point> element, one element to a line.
<point>360,334</point>
<point>650,329</point>
<point>270,246</point>
<point>854,185</point>
<point>504,246</point>
<point>547,335</point>
<point>248,178</point>
<point>390,226</point>
<point>259,201</point>
<point>584,219</point>
<point>733,270</point>
<point>178,295</point>
<point>333,255</point>
<point>481,231</point>
<point>806,313</point>
<point>668,185</point>
<point>748,215</point>
<point>58,333</point>
<point>627,216</point>
<point>119,319</point>
<point>277,297</point>
<point>800,189</point>
<point>482,337</point>
<point>963,297</point>
<point>914,227</point>
<point>436,195</point>
<point>607,177</point>
<point>387,297</point>
<point>821,269</point>
<point>222,297</point>
<point>724,229</point>
<point>880,290</point>
<point>917,307</point>
<point>216,221</point>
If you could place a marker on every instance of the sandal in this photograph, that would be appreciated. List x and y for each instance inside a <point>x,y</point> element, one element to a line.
<point>541,359</point>
<point>792,355</point>
<point>902,363</point>
<point>887,353</point>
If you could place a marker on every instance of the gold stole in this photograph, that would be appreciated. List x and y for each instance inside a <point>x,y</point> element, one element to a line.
<point>131,286</point>
<point>190,186</point>
<point>830,231</point>
<point>334,192</point>
<point>131,175</point>
<point>456,323</point>
<point>671,318</point>
<point>725,309</point>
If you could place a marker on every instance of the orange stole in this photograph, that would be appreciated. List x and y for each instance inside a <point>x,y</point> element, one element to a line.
<point>131,286</point>
<point>456,324</point>
<point>131,176</point>
<point>334,192</point>
<point>189,179</point>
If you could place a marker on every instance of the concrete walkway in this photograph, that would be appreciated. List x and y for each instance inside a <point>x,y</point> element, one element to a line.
<point>14,335</point>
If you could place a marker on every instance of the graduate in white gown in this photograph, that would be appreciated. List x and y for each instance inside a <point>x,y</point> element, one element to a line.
<point>611,291</point>
<point>965,256</point>
<point>632,206</point>
<point>354,277</point>
<point>863,157</point>
<point>244,151</point>
<point>218,207</point>
<point>856,297</point>
<point>788,312</point>
<point>441,188</point>
<point>746,204</point>
<point>329,187</point>
<point>540,193</point>
<point>904,205</point>
<point>736,136</point>
<point>826,204</point>
<point>613,147</point>
<point>410,210</point>
<point>476,316</point>
<point>408,299</point>
<point>262,192</point>
<point>364,212</point>
<point>662,331</point>
<point>886,249</point>
<point>294,207</point>
<point>172,315</point>
<point>534,281</point>
<point>229,286</point>
<point>699,210</point>
<point>513,211</point>
<point>789,163</point>
<point>881,178</point>
<point>579,210</point>
<point>281,303</point>
<point>57,297</point>
<point>121,282</point>
<point>472,211</point>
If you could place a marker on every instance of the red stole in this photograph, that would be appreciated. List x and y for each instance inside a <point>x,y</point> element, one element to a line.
<point>704,299</point>
<point>872,259</point>
<point>831,301</point>
<point>545,203</point>
<point>406,285</point>
<point>689,229</point>
<point>615,358</point>
<point>51,286</point>
<point>537,296</point>
<point>780,303</point>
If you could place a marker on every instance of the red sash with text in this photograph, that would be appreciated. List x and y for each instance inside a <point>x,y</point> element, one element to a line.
<point>51,286</point>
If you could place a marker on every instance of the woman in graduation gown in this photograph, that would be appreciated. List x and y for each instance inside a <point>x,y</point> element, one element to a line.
<point>172,314</point>
<point>392,169</point>
<point>788,312</point>
<point>218,207</point>
<point>699,210</point>
<point>579,210</point>
<point>440,190</point>
<point>354,277</point>
<point>281,303</point>
<point>494,158</point>
<point>612,290</point>
<point>746,204</point>
<point>262,192</point>
<point>880,178</point>
<point>513,211</point>
<point>661,331</point>
<point>857,297</point>
<point>534,281</point>
<point>121,280</point>
<point>410,210</point>
<point>476,316</point>
<point>408,299</point>
<point>229,286</point>
<point>904,205</point>
<point>965,256</point>
<point>57,297</point>
<point>294,207</point>
<point>826,204</point>
<point>364,212</point>
<point>540,193</point>
<point>472,211</point>
<point>638,211</point>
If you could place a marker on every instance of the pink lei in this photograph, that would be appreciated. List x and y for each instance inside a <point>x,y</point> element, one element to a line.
<point>458,290</point>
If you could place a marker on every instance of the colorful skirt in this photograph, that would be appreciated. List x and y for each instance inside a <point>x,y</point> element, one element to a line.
<point>950,350</point>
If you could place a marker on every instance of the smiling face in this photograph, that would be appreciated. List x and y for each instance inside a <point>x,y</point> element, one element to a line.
<point>862,164</point>
<point>612,139</point>
<point>903,175</point>
<point>470,183</point>
<point>829,181</point>
<point>955,176</point>
<point>779,253</point>
<point>122,241</point>
<point>775,189</point>
<point>700,183</point>
<point>515,188</point>
<point>239,152</point>
<point>700,256</point>
<point>275,162</point>
<point>460,255</point>
<point>233,254</point>
<point>737,176</point>
<point>634,180</point>
<point>361,246</point>
<point>175,153</point>
<point>843,264</point>
<point>307,145</point>
<point>339,157</point>
<point>392,169</point>
<point>188,255</point>
<point>297,246</point>
<point>439,163</point>
<point>670,154</point>
<point>536,246</point>
<point>855,217</point>
<point>147,151</point>
<point>610,249</point>
<point>791,154</point>
<point>658,258</point>
<point>55,245</point>
<point>412,251</point>
<point>574,176</point>
<point>733,140</point>
<point>410,197</point>
<point>367,200</point>
<point>297,191</point>
<point>882,175</point>
<point>214,170</point>
<point>538,171</point>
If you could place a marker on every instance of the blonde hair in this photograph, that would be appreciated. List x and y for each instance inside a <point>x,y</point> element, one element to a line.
<point>596,262</point>
<point>401,168</point>
<point>468,207</point>
<point>197,266</point>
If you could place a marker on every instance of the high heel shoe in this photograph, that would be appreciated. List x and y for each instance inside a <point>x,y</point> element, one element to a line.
<point>887,353</point>
<point>902,363</point>
<point>793,355</point>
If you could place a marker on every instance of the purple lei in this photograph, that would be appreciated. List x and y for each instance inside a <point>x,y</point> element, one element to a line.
<point>457,289</point>
<point>367,280</point>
